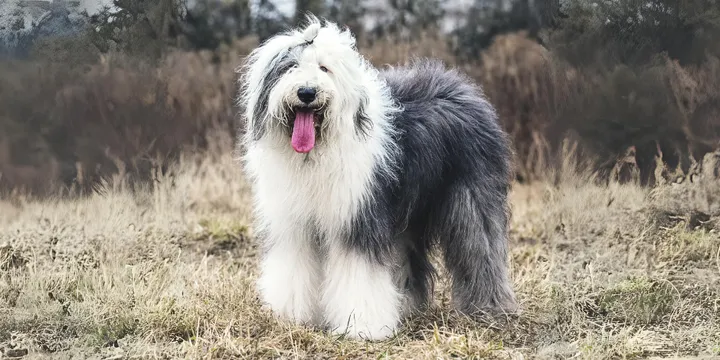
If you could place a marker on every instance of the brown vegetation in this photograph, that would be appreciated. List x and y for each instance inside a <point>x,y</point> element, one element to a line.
<point>66,125</point>
<point>660,110</point>
<point>69,125</point>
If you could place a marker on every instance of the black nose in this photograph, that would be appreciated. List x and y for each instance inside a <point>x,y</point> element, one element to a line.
<point>306,94</point>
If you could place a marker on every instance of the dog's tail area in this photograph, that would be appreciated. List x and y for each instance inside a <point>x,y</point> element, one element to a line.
<point>471,224</point>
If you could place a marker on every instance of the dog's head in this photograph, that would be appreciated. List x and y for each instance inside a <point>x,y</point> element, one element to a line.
<point>307,85</point>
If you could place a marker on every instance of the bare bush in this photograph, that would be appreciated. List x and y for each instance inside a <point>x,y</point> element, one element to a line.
<point>73,126</point>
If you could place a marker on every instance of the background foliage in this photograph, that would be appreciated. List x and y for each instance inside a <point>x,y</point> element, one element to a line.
<point>628,82</point>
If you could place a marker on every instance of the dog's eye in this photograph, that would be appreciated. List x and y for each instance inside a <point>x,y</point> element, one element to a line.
<point>323,69</point>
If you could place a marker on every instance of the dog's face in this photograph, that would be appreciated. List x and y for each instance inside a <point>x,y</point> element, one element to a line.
<point>306,86</point>
<point>303,94</point>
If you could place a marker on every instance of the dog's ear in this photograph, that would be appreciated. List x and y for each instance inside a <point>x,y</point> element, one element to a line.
<point>363,124</point>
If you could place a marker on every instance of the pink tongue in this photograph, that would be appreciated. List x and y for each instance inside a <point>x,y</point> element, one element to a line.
<point>303,136</point>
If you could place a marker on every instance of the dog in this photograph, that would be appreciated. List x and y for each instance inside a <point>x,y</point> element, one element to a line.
<point>357,174</point>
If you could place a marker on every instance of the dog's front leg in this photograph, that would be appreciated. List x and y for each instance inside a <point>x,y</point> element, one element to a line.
<point>290,272</point>
<point>360,298</point>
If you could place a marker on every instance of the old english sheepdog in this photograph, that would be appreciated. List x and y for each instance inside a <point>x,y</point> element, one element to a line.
<point>357,173</point>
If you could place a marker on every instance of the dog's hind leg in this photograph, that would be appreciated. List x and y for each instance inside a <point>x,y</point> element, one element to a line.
<point>470,224</point>
<point>413,274</point>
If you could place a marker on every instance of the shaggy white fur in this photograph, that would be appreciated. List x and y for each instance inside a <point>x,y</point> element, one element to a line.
<point>356,174</point>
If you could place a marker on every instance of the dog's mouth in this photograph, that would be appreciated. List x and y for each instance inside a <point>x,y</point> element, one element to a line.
<point>305,123</point>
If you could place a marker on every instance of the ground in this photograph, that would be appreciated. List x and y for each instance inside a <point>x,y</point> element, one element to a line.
<point>601,271</point>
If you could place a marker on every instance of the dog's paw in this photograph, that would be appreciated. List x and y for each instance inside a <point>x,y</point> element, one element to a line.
<point>294,311</point>
<point>289,304</point>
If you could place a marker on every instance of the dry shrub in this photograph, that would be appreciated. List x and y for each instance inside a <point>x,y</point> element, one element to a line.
<point>659,111</point>
<point>696,91</point>
<point>528,88</point>
<point>622,120</point>
<point>75,125</point>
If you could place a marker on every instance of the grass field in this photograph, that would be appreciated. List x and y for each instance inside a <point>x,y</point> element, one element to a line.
<point>611,271</point>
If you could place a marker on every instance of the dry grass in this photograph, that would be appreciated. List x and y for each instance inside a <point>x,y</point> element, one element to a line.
<point>612,271</point>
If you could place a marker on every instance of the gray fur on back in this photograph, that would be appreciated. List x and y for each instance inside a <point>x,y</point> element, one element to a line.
<point>454,172</point>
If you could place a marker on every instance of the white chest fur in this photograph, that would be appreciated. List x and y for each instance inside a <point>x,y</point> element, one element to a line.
<point>325,187</point>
